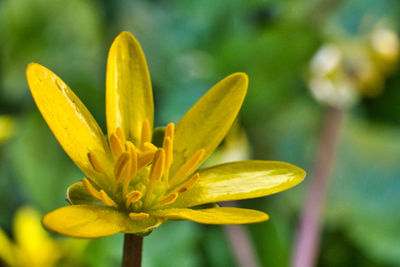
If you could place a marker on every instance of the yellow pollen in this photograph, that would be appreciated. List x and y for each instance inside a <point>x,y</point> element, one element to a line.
<point>188,167</point>
<point>190,183</point>
<point>138,216</point>
<point>95,162</point>
<point>132,197</point>
<point>91,190</point>
<point>146,133</point>
<point>121,135</point>
<point>107,200</point>
<point>121,167</point>
<point>116,145</point>
<point>167,200</point>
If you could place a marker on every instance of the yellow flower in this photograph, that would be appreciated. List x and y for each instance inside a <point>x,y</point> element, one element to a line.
<point>7,127</point>
<point>136,179</point>
<point>33,246</point>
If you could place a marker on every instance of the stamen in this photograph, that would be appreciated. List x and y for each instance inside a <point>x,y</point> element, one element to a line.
<point>138,216</point>
<point>121,167</point>
<point>132,197</point>
<point>121,135</point>
<point>167,200</point>
<point>157,169</point>
<point>190,183</point>
<point>132,169</point>
<point>107,200</point>
<point>188,167</point>
<point>168,158</point>
<point>169,143</point>
<point>96,163</point>
<point>169,131</point>
<point>91,190</point>
<point>168,150</point>
<point>131,149</point>
<point>129,145</point>
<point>115,145</point>
<point>146,133</point>
<point>144,159</point>
<point>147,146</point>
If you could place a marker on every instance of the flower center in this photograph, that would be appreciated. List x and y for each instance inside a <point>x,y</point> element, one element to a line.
<point>140,178</point>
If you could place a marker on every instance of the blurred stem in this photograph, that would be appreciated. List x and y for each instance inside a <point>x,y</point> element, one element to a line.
<point>243,249</point>
<point>308,236</point>
<point>132,251</point>
<point>323,9</point>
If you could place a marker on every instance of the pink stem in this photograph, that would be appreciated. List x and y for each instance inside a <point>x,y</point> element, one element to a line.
<point>240,242</point>
<point>308,236</point>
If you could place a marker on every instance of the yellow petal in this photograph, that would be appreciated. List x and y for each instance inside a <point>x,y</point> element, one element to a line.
<point>240,180</point>
<point>36,246</point>
<point>86,221</point>
<point>28,231</point>
<point>6,249</point>
<point>7,127</point>
<point>208,121</point>
<point>92,221</point>
<point>224,215</point>
<point>72,124</point>
<point>129,97</point>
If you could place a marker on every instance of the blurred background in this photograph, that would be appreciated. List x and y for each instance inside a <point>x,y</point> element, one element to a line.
<point>302,58</point>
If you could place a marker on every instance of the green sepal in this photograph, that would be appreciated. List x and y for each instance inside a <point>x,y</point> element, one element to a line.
<point>78,195</point>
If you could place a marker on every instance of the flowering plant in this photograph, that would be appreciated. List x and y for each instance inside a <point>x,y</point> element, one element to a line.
<point>136,181</point>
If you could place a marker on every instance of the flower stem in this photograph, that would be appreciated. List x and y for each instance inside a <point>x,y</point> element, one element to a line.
<point>308,236</point>
<point>242,247</point>
<point>132,251</point>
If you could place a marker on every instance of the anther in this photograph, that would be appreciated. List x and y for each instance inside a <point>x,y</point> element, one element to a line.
<point>129,146</point>
<point>95,162</point>
<point>132,197</point>
<point>147,146</point>
<point>169,142</point>
<point>188,167</point>
<point>146,133</point>
<point>157,168</point>
<point>121,167</point>
<point>168,158</point>
<point>156,171</point>
<point>121,135</point>
<point>107,200</point>
<point>169,131</point>
<point>190,183</point>
<point>168,150</point>
<point>115,145</point>
<point>144,159</point>
<point>91,190</point>
<point>131,149</point>
<point>132,169</point>
<point>138,216</point>
<point>168,200</point>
